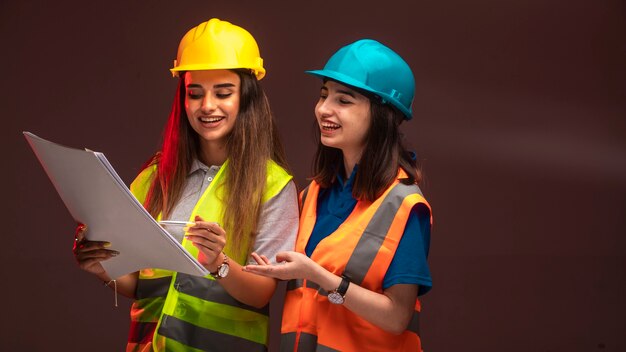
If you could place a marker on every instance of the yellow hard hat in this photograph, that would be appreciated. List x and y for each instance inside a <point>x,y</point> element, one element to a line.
<point>216,45</point>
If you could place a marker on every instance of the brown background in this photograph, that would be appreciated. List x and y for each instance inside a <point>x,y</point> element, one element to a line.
<point>520,125</point>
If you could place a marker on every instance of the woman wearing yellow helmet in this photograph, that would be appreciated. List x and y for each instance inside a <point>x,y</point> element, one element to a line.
<point>360,259</point>
<point>222,168</point>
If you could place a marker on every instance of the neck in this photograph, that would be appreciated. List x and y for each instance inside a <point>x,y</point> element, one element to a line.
<point>213,153</point>
<point>349,160</point>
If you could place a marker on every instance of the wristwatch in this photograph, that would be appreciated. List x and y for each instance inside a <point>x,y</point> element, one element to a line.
<point>222,269</point>
<point>337,295</point>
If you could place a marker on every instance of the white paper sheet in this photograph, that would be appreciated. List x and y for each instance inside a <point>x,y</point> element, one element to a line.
<point>95,195</point>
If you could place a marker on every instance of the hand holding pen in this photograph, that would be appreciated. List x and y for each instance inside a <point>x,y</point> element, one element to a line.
<point>210,240</point>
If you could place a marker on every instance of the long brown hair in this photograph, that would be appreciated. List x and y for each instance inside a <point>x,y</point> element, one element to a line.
<point>383,156</point>
<point>253,141</point>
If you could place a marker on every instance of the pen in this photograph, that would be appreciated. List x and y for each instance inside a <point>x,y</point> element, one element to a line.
<point>176,223</point>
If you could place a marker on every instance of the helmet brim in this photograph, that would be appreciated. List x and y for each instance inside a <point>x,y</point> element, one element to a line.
<point>347,80</point>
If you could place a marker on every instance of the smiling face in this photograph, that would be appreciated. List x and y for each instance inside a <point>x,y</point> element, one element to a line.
<point>212,104</point>
<point>343,115</point>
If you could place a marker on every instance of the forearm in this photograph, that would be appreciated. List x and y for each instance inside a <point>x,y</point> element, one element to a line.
<point>247,288</point>
<point>390,310</point>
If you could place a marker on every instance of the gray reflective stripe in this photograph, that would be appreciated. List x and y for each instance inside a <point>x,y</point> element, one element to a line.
<point>287,342</point>
<point>204,339</point>
<point>322,348</point>
<point>294,284</point>
<point>307,340</point>
<point>306,343</point>
<point>304,193</point>
<point>147,288</point>
<point>297,283</point>
<point>369,244</point>
<point>209,290</point>
<point>414,324</point>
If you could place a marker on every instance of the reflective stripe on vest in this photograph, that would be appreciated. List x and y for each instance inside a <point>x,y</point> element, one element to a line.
<point>303,195</point>
<point>362,249</point>
<point>188,334</point>
<point>306,342</point>
<point>369,245</point>
<point>205,289</point>
<point>192,313</point>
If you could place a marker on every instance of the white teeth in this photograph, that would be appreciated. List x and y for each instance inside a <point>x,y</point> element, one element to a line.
<point>330,126</point>
<point>210,119</point>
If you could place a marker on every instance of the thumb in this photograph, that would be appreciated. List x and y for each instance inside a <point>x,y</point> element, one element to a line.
<point>284,257</point>
<point>80,232</point>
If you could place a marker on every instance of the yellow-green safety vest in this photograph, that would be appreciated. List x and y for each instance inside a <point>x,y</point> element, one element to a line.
<point>180,312</point>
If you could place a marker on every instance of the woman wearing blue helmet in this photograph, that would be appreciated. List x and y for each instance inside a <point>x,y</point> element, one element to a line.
<point>360,258</point>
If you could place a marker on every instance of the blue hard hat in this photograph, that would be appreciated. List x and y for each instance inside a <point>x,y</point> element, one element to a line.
<point>369,65</point>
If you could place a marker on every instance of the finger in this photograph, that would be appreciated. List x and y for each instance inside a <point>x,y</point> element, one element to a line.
<point>211,226</point>
<point>201,234</point>
<point>259,259</point>
<point>88,246</point>
<point>201,243</point>
<point>265,270</point>
<point>199,219</point>
<point>215,227</point>
<point>205,229</point>
<point>258,269</point>
<point>97,255</point>
<point>284,257</point>
<point>210,240</point>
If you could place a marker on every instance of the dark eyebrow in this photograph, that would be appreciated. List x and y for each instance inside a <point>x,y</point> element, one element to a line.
<point>221,85</point>
<point>224,85</point>
<point>346,92</point>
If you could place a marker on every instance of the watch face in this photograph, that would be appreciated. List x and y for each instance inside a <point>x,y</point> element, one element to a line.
<point>223,270</point>
<point>335,298</point>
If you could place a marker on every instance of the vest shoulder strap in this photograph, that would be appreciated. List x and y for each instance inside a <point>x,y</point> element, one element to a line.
<point>276,179</point>
<point>141,185</point>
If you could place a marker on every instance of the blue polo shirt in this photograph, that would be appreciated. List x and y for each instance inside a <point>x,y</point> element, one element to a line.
<point>409,264</point>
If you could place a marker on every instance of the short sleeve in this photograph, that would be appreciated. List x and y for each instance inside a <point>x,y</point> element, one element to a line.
<point>409,264</point>
<point>278,224</point>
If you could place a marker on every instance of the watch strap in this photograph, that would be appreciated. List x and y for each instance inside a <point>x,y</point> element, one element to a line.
<point>343,286</point>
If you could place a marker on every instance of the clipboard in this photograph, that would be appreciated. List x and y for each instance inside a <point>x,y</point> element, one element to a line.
<point>95,195</point>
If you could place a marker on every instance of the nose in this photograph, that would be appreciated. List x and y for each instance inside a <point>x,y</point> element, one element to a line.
<point>208,104</point>
<point>323,108</point>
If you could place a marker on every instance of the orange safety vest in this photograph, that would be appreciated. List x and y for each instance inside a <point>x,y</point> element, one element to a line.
<point>362,249</point>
